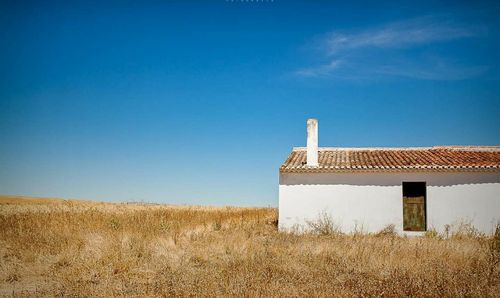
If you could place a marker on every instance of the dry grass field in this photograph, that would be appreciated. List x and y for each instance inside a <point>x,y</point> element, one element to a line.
<point>83,248</point>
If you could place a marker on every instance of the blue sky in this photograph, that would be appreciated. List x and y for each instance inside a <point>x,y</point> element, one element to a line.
<point>199,102</point>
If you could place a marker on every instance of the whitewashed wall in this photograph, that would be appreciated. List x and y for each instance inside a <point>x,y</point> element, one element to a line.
<point>372,201</point>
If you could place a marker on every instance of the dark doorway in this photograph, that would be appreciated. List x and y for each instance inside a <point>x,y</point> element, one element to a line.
<point>414,206</point>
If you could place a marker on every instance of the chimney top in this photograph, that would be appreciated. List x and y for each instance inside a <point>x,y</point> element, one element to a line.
<point>312,142</point>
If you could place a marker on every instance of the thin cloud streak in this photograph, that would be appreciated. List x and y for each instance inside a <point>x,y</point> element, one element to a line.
<point>402,34</point>
<point>320,71</point>
<point>436,73</point>
<point>368,53</point>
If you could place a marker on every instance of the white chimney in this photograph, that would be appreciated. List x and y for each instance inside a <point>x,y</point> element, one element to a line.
<point>312,142</point>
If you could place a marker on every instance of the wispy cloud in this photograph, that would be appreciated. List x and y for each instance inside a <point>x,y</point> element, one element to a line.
<point>322,70</point>
<point>402,34</point>
<point>447,71</point>
<point>363,48</point>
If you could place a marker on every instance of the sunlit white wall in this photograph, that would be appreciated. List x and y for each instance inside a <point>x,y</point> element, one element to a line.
<point>371,201</point>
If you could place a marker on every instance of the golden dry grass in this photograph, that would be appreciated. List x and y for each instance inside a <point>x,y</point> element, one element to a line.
<point>83,248</point>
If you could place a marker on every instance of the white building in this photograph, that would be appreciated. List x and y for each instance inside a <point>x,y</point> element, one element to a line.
<point>367,189</point>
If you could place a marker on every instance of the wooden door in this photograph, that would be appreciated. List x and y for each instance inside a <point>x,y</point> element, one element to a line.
<point>414,213</point>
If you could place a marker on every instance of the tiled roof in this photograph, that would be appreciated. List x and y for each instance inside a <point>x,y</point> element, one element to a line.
<point>442,158</point>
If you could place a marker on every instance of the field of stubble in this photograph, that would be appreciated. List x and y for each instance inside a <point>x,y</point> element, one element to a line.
<point>79,248</point>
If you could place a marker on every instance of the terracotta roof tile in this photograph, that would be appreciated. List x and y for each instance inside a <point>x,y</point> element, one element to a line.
<point>439,158</point>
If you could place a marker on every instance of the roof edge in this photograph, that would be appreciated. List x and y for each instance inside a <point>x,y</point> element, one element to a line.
<point>389,170</point>
<point>466,148</point>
